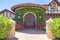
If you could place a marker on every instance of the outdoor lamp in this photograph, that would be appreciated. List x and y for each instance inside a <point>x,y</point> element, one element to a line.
<point>40,17</point>
<point>18,16</point>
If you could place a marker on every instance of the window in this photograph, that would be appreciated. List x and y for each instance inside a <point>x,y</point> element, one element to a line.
<point>53,7</point>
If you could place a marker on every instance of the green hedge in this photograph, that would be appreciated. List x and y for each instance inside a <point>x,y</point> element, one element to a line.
<point>55,27</point>
<point>38,12</point>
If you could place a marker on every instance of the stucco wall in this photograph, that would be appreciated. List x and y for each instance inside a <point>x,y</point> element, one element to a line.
<point>12,31</point>
<point>58,7</point>
<point>48,31</point>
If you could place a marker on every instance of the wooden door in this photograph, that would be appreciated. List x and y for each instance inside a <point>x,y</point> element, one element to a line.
<point>29,21</point>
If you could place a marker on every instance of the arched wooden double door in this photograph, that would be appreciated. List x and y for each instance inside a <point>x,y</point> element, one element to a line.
<point>29,21</point>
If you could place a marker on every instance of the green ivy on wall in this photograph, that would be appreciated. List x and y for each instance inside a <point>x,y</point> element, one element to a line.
<point>38,12</point>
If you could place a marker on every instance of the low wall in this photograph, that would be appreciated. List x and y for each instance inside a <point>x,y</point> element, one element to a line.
<point>12,31</point>
<point>48,32</point>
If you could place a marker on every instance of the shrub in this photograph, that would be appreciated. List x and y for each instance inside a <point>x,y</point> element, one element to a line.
<point>55,27</point>
<point>5,27</point>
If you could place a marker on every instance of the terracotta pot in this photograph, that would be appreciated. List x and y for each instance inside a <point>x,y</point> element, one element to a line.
<point>41,25</point>
<point>19,26</point>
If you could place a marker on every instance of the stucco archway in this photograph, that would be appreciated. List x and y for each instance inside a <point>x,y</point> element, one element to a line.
<point>29,16</point>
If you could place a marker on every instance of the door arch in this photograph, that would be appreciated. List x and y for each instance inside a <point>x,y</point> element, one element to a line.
<point>29,20</point>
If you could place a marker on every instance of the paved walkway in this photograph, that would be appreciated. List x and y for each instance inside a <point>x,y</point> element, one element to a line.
<point>31,35</point>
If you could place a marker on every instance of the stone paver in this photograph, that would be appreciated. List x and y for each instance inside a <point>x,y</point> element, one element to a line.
<point>31,35</point>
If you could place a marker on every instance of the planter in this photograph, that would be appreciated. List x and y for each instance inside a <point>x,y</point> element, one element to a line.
<point>12,31</point>
<point>48,31</point>
<point>19,26</point>
<point>41,25</point>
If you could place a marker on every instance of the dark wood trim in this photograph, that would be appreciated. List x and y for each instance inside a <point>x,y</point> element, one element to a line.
<point>49,12</point>
<point>6,14</point>
<point>10,15</point>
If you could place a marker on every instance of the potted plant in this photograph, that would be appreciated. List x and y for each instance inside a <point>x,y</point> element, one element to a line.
<point>41,25</point>
<point>54,28</point>
<point>5,27</point>
<point>19,25</point>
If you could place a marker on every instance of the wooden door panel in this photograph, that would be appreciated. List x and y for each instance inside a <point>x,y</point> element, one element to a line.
<point>29,20</point>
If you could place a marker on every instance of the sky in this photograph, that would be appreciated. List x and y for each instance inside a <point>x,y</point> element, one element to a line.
<point>7,4</point>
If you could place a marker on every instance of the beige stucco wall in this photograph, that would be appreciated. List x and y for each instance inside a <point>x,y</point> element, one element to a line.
<point>48,31</point>
<point>58,7</point>
<point>12,16</point>
<point>12,31</point>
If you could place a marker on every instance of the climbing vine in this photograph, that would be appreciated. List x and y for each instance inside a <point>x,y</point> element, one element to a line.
<point>40,13</point>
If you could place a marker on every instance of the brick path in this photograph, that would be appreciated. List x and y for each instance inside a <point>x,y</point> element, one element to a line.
<point>31,35</point>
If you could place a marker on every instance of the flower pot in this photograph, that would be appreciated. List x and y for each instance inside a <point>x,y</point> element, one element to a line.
<point>41,25</point>
<point>19,26</point>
